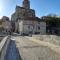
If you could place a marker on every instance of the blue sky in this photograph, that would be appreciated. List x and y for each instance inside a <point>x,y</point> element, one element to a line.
<point>42,7</point>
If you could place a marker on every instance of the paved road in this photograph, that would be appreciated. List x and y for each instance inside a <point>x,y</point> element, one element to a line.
<point>30,50</point>
<point>12,53</point>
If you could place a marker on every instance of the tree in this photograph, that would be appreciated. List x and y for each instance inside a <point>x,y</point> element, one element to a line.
<point>52,21</point>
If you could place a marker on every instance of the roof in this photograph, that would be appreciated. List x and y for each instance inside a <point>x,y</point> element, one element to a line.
<point>18,7</point>
<point>30,18</point>
<point>5,18</point>
<point>34,18</point>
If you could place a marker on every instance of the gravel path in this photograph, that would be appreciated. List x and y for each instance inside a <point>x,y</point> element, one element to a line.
<point>30,50</point>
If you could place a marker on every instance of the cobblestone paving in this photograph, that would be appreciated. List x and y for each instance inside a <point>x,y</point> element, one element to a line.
<point>12,53</point>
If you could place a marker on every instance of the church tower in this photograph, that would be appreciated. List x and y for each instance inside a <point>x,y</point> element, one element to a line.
<point>26,4</point>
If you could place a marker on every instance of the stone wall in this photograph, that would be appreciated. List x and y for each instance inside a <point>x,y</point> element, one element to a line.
<point>20,29</point>
<point>42,28</point>
<point>3,47</point>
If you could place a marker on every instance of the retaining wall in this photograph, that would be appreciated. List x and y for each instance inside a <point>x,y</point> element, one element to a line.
<point>3,47</point>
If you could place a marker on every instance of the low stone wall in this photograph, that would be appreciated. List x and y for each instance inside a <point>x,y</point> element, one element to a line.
<point>3,47</point>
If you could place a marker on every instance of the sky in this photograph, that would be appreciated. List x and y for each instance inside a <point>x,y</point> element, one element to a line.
<point>41,7</point>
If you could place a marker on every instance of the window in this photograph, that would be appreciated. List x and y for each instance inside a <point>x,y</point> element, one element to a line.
<point>38,27</point>
<point>28,27</point>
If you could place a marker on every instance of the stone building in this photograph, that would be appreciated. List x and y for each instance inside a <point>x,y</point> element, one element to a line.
<point>6,24</point>
<point>24,19</point>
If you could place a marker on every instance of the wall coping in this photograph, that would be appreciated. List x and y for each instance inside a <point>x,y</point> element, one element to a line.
<point>2,43</point>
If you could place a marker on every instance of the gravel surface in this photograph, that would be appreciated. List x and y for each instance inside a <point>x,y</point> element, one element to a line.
<point>33,51</point>
<point>48,38</point>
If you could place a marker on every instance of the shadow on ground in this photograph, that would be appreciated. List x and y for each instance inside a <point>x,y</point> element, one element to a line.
<point>12,52</point>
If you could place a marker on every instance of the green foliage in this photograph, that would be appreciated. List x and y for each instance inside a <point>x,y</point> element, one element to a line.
<point>52,21</point>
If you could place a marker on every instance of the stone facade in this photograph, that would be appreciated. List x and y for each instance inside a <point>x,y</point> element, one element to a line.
<point>6,24</point>
<point>25,19</point>
<point>42,27</point>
